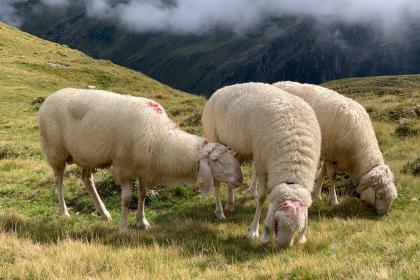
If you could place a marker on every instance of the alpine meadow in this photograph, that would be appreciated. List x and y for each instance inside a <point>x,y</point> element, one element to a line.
<point>186,241</point>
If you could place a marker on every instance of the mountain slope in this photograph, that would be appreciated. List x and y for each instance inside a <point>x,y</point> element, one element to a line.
<point>31,68</point>
<point>290,48</point>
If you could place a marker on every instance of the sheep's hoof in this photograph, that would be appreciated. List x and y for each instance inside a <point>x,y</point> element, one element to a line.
<point>253,234</point>
<point>219,215</point>
<point>229,208</point>
<point>302,240</point>
<point>122,228</point>
<point>253,193</point>
<point>144,225</point>
<point>65,214</point>
<point>333,201</point>
<point>107,216</point>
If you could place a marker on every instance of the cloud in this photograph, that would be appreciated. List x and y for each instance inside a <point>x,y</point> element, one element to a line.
<point>200,16</point>
<point>8,12</point>
<point>55,3</point>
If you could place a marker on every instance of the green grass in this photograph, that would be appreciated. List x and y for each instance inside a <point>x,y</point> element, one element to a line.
<point>186,241</point>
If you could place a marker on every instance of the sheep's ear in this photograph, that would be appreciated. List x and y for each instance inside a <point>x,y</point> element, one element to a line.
<point>205,179</point>
<point>368,195</point>
<point>362,186</point>
<point>269,225</point>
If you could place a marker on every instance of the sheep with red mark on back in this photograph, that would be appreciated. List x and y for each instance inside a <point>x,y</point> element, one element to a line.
<point>280,133</point>
<point>94,129</point>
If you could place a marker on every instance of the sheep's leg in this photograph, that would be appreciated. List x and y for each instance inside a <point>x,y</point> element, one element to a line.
<point>331,176</point>
<point>125,199</point>
<point>59,177</point>
<point>141,218</point>
<point>230,199</point>
<point>219,207</point>
<point>87,179</point>
<point>262,195</point>
<point>253,186</point>
<point>319,181</point>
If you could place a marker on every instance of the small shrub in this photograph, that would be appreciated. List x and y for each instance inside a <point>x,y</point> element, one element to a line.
<point>7,151</point>
<point>404,112</point>
<point>412,167</point>
<point>37,102</point>
<point>174,112</point>
<point>10,151</point>
<point>406,128</point>
<point>344,185</point>
<point>190,102</point>
<point>194,120</point>
<point>106,186</point>
<point>181,111</point>
<point>375,114</point>
<point>160,96</point>
<point>73,171</point>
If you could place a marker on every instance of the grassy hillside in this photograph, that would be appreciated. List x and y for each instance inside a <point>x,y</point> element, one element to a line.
<point>347,241</point>
<point>205,62</point>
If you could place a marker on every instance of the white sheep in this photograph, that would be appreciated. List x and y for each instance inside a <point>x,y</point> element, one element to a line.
<point>281,134</point>
<point>96,129</point>
<point>348,145</point>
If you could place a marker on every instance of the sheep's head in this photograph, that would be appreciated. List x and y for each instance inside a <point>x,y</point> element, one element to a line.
<point>287,215</point>
<point>377,188</point>
<point>218,164</point>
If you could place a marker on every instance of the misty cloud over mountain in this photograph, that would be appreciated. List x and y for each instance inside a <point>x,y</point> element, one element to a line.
<point>202,16</point>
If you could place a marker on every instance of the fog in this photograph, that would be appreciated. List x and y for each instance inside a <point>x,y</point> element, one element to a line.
<point>201,16</point>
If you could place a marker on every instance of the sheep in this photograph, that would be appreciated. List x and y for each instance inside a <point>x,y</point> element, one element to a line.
<point>348,145</point>
<point>281,134</point>
<point>96,129</point>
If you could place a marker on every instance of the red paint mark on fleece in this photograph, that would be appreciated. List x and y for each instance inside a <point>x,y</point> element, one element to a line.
<point>155,107</point>
<point>292,206</point>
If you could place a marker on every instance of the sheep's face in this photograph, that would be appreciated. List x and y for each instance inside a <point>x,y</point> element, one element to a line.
<point>288,220</point>
<point>224,166</point>
<point>377,188</point>
<point>218,164</point>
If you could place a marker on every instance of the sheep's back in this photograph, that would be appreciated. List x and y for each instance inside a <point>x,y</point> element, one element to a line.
<point>270,124</point>
<point>99,127</point>
<point>347,133</point>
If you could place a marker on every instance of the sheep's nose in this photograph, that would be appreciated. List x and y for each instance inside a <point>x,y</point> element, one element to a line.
<point>239,179</point>
<point>240,176</point>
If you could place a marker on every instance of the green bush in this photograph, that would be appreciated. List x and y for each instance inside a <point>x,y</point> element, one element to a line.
<point>11,151</point>
<point>407,128</point>
<point>412,167</point>
<point>404,112</point>
<point>7,151</point>
<point>37,102</point>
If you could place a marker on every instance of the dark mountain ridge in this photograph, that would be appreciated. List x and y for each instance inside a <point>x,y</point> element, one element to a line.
<point>289,48</point>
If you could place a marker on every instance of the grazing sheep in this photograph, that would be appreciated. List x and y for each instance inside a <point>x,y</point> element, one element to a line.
<point>281,134</point>
<point>96,129</point>
<point>348,145</point>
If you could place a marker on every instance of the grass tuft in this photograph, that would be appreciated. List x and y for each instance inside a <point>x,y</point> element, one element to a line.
<point>9,151</point>
<point>412,167</point>
<point>407,128</point>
